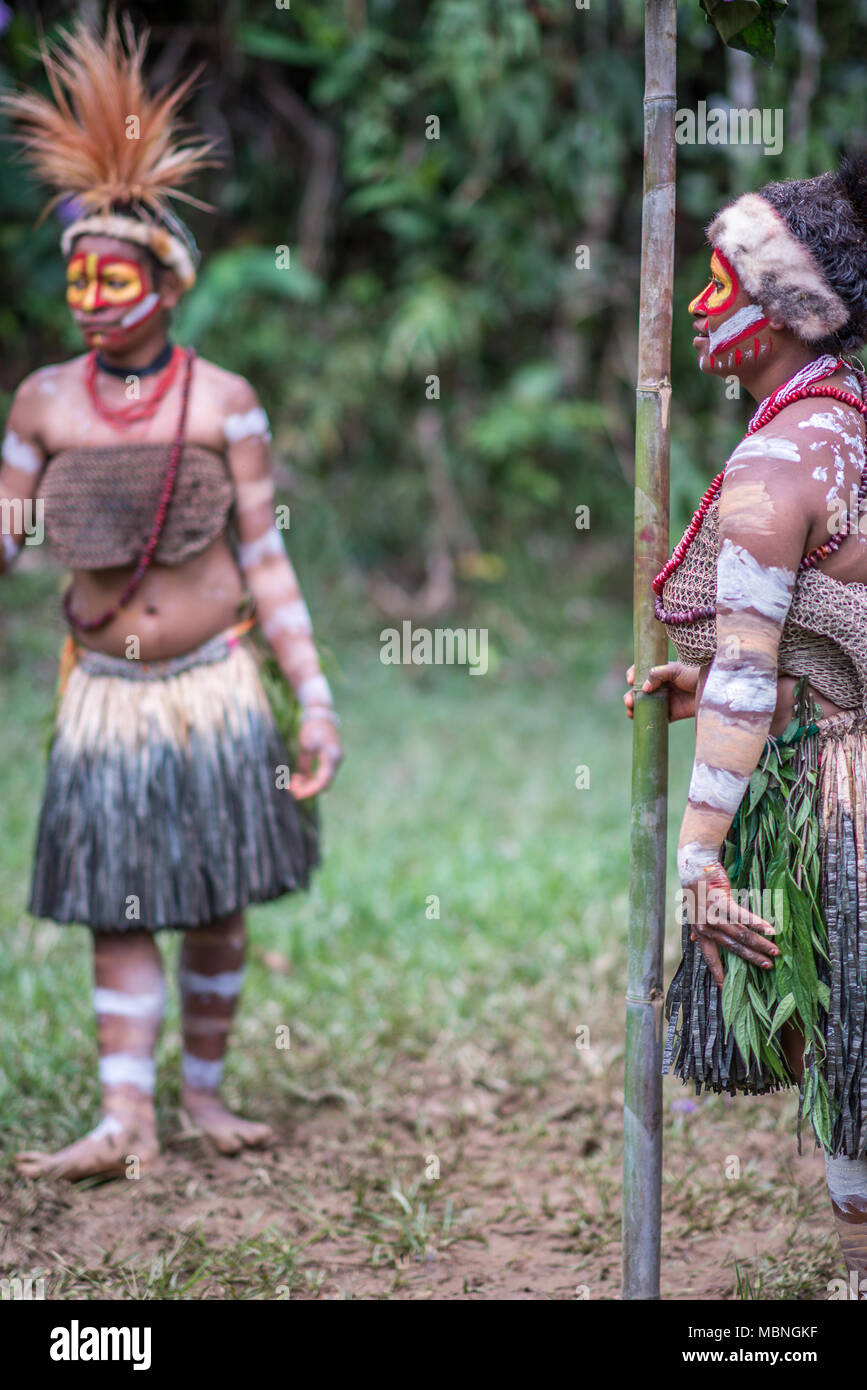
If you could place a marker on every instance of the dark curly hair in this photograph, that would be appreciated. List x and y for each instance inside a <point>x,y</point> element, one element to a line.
<point>829,215</point>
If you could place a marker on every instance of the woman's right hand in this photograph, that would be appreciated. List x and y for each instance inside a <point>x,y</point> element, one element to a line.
<point>681,681</point>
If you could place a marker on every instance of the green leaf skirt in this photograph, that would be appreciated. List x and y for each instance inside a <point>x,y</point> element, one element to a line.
<point>796,854</point>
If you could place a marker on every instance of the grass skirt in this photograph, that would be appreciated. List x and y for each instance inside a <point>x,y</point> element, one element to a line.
<point>161,805</point>
<point>830,831</point>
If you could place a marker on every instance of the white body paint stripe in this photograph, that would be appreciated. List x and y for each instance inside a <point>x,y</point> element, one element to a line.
<point>825,420</point>
<point>19,454</point>
<point>742,582</point>
<point>768,446</point>
<point>254,422</point>
<point>271,543</point>
<point>692,860</point>
<point>108,1125</point>
<point>714,786</point>
<point>315,690</point>
<point>752,690</point>
<point>733,328</point>
<point>113,1001</point>
<point>122,1069</point>
<point>199,1073</point>
<point>252,495</point>
<point>289,617</point>
<point>225,985</point>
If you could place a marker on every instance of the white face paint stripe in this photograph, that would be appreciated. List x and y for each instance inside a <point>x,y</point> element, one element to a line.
<point>271,543</point>
<point>254,422</point>
<point>714,786</point>
<point>113,1001</point>
<point>314,691</point>
<point>140,311</point>
<point>19,454</point>
<point>225,985</point>
<point>733,328</point>
<point>289,617</point>
<point>123,1069</point>
<point>753,691</point>
<point>692,860</point>
<point>199,1073</point>
<point>742,582</point>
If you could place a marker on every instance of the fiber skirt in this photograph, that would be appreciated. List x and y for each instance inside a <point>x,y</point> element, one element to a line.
<point>165,801</point>
<point>700,1048</point>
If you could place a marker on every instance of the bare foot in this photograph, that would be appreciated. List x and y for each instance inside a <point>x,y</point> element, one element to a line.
<point>229,1133</point>
<point>104,1152</point>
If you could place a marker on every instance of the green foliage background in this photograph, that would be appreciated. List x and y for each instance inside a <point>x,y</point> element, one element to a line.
<point>454,256</point>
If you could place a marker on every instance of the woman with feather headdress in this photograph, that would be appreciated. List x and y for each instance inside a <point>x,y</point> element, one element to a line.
<point>765,600</point>
<point>168,800</point>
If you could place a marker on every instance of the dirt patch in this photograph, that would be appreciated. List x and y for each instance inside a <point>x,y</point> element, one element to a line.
<point>449,1184</point>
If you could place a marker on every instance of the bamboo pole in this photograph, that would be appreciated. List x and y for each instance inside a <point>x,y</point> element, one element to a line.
<point>642,1115</point>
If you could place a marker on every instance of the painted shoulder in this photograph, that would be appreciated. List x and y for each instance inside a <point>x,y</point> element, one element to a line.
<point>228,387</point>
<point>46,382</point>
<point>235,403</point>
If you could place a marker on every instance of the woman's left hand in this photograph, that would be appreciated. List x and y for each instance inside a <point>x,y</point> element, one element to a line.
<point>320,754</point>
<point>717,920</point>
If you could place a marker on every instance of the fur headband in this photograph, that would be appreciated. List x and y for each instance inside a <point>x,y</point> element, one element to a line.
<point>168,249</point>
<point>776,269</point>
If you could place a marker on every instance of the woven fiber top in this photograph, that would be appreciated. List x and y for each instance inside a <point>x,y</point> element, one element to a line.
<point>824,636</point>
<point>101,502</point>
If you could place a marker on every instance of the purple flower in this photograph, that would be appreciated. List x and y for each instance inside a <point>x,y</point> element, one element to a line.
<point>684,1107</point>
<point>5,17</point>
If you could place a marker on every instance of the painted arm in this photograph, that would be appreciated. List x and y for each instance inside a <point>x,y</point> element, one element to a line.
<point>280,607</point>
<point>21,461</point>
<point>766,506</point>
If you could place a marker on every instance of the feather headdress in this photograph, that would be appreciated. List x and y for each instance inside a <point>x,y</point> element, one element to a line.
<point>107,144</point>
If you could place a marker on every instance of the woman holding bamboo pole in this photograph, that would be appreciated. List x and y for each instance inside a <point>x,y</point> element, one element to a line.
<point>765,599</point>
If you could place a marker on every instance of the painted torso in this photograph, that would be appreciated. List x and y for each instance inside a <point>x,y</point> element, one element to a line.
<point>824,636</point>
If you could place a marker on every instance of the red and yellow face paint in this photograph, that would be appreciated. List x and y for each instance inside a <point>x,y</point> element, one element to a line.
<point>110,282</point>
<point>722,291</point>
<point>718,298</point>
<point>101,282</point>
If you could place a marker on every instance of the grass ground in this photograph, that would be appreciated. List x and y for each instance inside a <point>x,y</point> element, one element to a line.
<point>441,1135</point>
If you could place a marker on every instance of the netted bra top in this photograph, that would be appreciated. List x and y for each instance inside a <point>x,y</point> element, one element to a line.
<point>824,636</point>
<point>101,503</point>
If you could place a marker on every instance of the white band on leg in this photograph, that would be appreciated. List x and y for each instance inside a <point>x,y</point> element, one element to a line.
<point>115,1001</point>
<point>123,1069</point>
<point>847,1181</point>
<point>199,1073</point>
<point>226,985</point>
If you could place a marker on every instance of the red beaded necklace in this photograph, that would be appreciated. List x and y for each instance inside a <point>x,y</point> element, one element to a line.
<point>137,410</point>
<point>146,558</point>
<point>782,397</point>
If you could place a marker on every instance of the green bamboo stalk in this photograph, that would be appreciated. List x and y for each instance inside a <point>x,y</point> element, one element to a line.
<point>642,1114</point>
